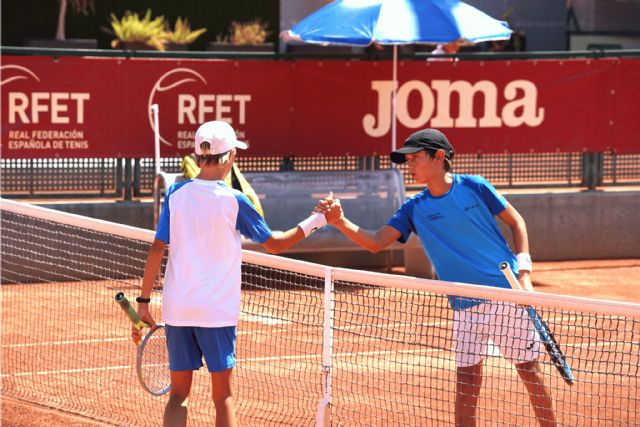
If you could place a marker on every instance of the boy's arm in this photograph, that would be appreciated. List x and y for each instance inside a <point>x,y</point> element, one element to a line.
<point>520,240</point>
<point>151,270</point>
<point>281,241</point>
<point>518,228</point>
<point>373,241</point>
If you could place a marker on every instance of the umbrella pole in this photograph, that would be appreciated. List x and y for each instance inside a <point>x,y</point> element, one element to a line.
<point>393,97</point>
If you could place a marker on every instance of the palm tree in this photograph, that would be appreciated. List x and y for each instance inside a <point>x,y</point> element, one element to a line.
<point>79,6</point>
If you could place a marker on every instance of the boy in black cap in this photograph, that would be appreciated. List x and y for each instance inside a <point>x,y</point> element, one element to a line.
<point>454,217</point>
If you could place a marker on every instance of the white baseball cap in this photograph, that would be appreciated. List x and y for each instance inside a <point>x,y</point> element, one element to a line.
<point>220,135</point>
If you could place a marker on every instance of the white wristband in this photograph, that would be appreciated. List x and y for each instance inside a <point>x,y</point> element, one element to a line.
<point>524,261</point>
<point>311,224</point>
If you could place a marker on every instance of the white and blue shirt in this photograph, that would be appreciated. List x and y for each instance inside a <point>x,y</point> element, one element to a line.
<point>458,231</point>
<point>202,221</point>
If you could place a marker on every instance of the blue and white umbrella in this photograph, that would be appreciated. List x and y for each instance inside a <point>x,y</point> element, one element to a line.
<point>397,22</point>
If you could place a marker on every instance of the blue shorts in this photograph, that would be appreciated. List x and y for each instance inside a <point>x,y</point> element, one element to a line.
<point>188,344</point>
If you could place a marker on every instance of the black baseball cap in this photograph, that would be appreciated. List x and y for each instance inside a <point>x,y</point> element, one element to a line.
<point>426,139</point>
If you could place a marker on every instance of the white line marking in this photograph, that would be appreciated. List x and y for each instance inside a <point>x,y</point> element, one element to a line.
<point>350,354</point>
<point>292,357</point>
<point>240,360</point>
<point>68,342</point>
<point>68,371</point>
<point>265,320</point>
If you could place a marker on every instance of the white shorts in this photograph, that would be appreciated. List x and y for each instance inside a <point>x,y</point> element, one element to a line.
<point>506,324</point>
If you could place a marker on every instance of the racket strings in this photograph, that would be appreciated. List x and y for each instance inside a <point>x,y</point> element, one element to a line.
<point>153,363</point>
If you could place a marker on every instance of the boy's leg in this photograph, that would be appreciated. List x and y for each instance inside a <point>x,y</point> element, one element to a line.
<point>470,346</point>
<point>468,383</point>
<point>218,348</point>
<point>175,412</point>
<point>520,343</point>
<point>539,394</point>
<point>222,394</point>
<point>184,358</point>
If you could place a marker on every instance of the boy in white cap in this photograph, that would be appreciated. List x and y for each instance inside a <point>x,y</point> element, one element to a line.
<point>201,221</point>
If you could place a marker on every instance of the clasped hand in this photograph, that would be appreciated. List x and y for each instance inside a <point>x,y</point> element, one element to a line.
<point>331,209</point>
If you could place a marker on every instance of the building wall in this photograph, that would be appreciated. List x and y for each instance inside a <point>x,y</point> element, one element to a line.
<point>541,21</point>
<point>608,15</point>
<point>589,41</point>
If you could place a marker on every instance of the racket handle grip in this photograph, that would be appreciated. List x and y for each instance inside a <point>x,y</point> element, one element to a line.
<point>124,304</point>
<point>508,274</point>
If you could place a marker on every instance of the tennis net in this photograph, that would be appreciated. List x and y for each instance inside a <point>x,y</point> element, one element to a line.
<point>316,344</point>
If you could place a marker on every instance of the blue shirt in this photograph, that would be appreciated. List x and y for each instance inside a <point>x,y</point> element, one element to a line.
<point>458,231</point>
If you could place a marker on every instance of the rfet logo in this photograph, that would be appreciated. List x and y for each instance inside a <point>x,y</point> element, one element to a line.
<point>519,100</point>
<point>193,105</point>
<point>34,117</point>
<point>41,106</point>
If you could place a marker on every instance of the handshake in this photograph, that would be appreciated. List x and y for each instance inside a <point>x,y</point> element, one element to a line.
<point>327,211</point>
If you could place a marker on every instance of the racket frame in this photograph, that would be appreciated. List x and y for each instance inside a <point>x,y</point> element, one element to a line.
<point>123,302</point>
<point>139,356</point>
<point>551,345</point>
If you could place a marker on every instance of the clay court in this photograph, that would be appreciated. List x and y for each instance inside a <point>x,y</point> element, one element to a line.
<point>603,279</point>
<point>552,122</point>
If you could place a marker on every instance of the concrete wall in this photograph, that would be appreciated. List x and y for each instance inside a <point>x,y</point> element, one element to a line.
<point>582,225</point>
<point>136,214</point>
<point>562,226</point>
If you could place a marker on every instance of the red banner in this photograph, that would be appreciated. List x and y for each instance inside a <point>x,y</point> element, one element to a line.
<point>100,107</point>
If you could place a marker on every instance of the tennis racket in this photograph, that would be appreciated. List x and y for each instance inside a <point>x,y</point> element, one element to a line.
<point>152,358</point>
<point>550,343</point>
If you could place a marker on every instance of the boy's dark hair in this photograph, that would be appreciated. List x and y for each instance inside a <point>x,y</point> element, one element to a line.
<point>209,159</point>
<point>447,162</point>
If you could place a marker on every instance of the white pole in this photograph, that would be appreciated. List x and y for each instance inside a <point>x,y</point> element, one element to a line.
<point>323,416</point>
<point>393,97</point>
<point>156,131</point>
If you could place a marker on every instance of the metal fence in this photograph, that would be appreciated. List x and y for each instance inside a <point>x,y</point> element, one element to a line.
<point>130,178</point>
<point>68,177</point>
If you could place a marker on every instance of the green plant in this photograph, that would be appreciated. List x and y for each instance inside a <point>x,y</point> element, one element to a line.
<point>250,32</point>
<point>182,33</point>
<point>130,28</point>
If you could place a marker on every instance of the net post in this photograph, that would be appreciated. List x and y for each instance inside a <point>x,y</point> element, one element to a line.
<point>156,138</point>
<point>323,417</point>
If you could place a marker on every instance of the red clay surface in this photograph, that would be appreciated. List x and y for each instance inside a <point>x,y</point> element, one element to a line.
<point>608,279</point>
